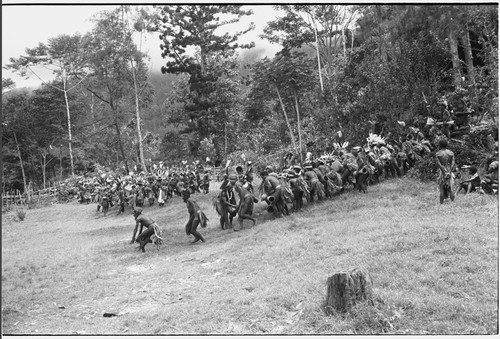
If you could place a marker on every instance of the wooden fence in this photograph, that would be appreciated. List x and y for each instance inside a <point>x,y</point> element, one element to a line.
<point>13,198</point>
<point>16,198</point>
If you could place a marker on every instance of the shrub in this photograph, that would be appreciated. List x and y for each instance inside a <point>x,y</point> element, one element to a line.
<point>465,155</point>
<point>426,169</point>
<point>370,318</point>
<point>21,214</point>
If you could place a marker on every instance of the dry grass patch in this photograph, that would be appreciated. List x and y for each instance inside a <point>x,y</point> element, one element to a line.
<point>434,268</point>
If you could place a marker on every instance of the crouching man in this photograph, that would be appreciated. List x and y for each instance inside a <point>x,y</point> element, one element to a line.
<point>151,234</point>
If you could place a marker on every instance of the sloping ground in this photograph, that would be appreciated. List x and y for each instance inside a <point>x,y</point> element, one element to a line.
<point>435,268</point>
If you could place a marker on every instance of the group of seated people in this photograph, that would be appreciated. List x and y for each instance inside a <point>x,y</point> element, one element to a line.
<point>487,185</point>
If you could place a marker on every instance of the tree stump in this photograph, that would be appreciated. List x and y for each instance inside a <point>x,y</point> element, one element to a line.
<point>344,289</point>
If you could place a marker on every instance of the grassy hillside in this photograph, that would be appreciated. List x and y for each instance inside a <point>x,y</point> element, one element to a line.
<point>434,268</point>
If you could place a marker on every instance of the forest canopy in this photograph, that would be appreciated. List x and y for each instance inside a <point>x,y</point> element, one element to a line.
<point>343,71</point>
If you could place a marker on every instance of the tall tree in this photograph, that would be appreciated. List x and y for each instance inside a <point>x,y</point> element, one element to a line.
<point>111,48</point>
<point>288,80</point>
<point>187,27</point>
<point>139,21</point>
<point>324,28</point>
<point>47,119</point>
<point>36,123</point>
<point>65,56</point>
<point>13,106</point>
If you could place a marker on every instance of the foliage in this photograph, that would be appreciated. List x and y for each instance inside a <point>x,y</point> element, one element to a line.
<point>284,85</point>
<point>64,55</point>
<point>38,120</point>
<point>211,91</point>
<point>175,147</point>
<point>182,26</point>
<point>113,78</point>
<point>426,169</point>
<point>465,155</point>
<point>7,83</point>
<point>21,214</point>
<point>372,68</point>
<point>207,148</point>
<point>327,29</point>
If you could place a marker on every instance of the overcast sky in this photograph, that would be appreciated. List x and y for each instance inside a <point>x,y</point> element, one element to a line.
<point>24,26</point>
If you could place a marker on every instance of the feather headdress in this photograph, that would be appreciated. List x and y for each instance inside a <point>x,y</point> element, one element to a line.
<point>375,139</point>
<point>339,146</point>
<point>327,156</point>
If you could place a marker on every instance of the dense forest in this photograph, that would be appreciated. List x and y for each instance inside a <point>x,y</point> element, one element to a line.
<point>343,71</point>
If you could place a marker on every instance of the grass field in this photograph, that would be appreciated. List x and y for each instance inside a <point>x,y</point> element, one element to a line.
<point>434,268</point>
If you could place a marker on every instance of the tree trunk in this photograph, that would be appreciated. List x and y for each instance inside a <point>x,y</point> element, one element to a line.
<point>29,193</point>
<point>317,54</point>
<point>69,127</point>
<point>203,61</point>
<point>298,127</point>
<point>60,164</point>
<point>382,45</point>
<point>138,119</point>
<point>120,144</point>
<point>44,164</point>
<point>3,185</point>
<point>352,39</point>
<point>286,119</point>
<point>117,154</point>
<point>92,110</point>
<point>21,162</point>
<point>468,57</point>
<point>344,41</point>
<point>455,59</point>
<point>225,143</point>
<point>344,289</point>
<point>53,170</point>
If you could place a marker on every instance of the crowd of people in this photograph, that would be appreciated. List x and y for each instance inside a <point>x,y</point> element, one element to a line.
<point>137,189</point>
<point>285,188</point>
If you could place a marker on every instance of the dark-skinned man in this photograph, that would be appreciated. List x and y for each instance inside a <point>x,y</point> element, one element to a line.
<point>316,188</point>
<point>245,206</point>
<point>151,229</point>
<point>225,205</point>
<point>274,192</point>
<point>298,188</point>
<point>196,217</point>
<point>445,159</point>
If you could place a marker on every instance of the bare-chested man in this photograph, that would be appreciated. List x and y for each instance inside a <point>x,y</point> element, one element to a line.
<point>151,228</point>
<point>445,159</point>
<point>196,217</point>
<point>245,206</point>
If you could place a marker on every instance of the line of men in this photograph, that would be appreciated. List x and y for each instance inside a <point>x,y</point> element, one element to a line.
<point>285,189</point>
<point>314,181</point>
